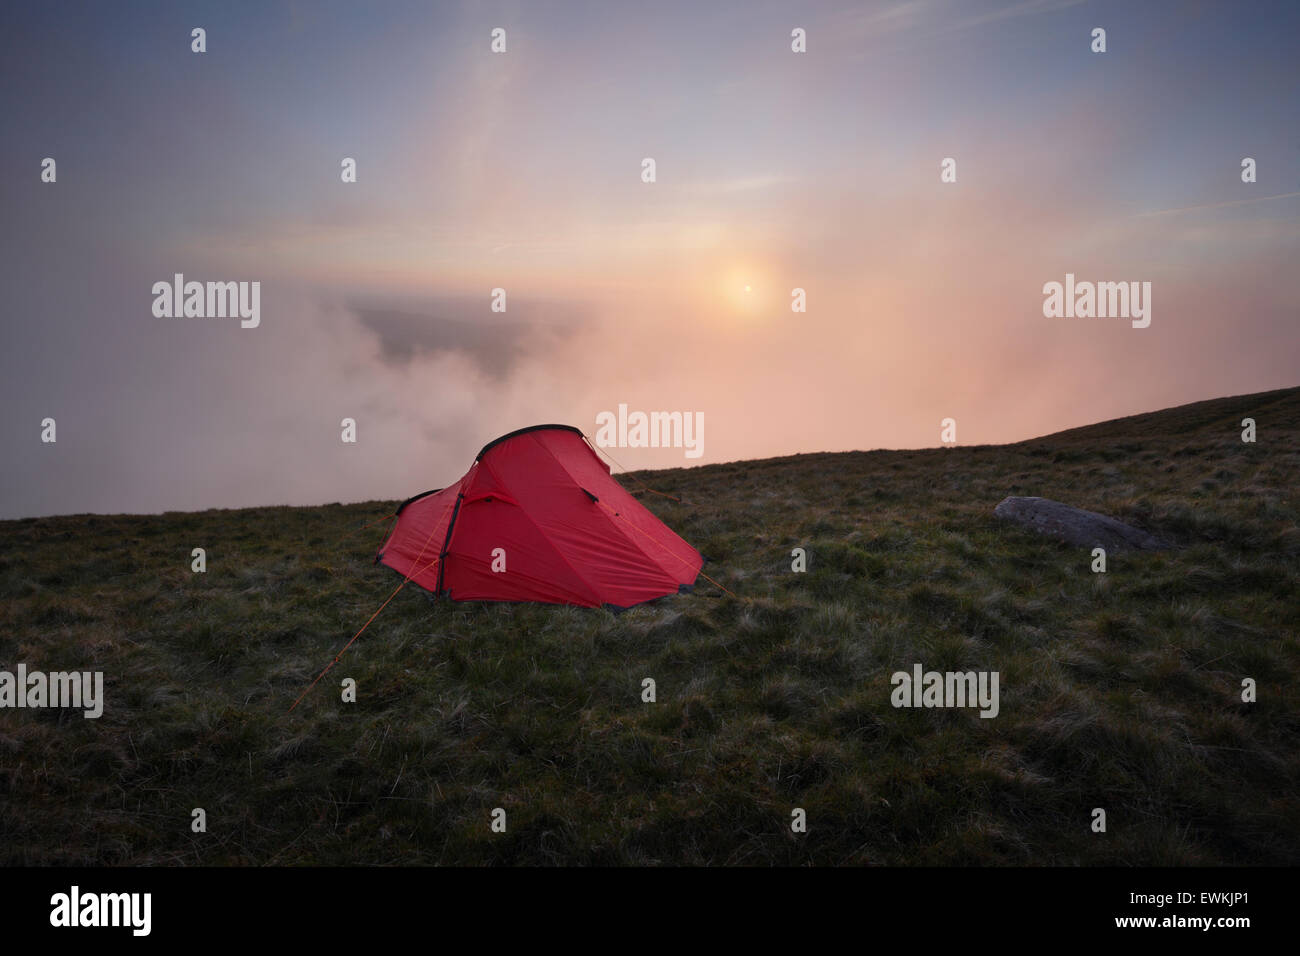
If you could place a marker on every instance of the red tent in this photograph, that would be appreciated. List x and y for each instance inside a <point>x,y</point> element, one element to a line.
<point>538,517</point>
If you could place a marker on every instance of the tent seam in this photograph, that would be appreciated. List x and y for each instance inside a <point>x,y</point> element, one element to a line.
<point>613,524</point>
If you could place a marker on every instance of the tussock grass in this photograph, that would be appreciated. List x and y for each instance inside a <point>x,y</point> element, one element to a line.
<point>1119,691</point>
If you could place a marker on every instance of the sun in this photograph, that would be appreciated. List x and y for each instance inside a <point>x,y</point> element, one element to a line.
<point>742,290</point>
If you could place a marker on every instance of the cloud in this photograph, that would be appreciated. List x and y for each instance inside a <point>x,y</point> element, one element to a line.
<point>931,16</point>
<point>1026,9</point>
<point>737,184</point>
<point>458,327</point>
<point>1215,205</point>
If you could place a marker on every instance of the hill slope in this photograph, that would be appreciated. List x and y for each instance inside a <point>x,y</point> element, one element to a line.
<point>1119,690</point>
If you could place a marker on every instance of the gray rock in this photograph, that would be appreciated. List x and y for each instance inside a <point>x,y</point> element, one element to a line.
<point>1084,529</point>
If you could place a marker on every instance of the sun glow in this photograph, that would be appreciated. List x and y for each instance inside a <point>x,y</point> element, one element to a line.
<point>741,290</point>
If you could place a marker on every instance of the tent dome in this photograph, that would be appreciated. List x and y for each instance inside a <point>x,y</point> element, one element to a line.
<point>538,517</point>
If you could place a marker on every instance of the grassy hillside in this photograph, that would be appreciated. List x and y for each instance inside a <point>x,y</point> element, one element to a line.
<point>1118,690</point>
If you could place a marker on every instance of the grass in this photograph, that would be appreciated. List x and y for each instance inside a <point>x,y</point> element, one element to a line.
<point>1120,691</point>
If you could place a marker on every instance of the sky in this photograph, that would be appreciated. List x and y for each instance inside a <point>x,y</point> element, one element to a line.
<point>522,170</point>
